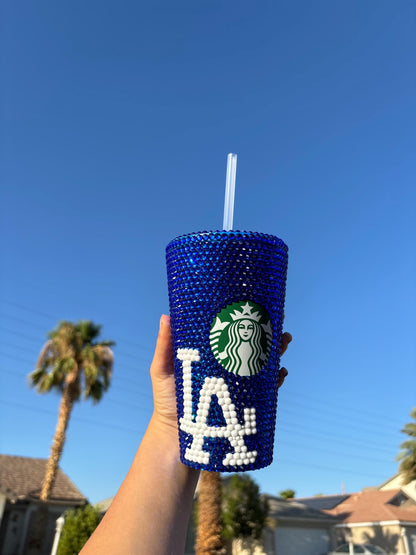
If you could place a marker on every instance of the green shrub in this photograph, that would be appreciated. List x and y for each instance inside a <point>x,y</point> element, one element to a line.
<point>79,525</point>
<point>244,509</point>
<point>287,493</point>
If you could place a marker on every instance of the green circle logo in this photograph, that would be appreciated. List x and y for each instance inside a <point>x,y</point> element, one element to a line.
<point>241,337</point>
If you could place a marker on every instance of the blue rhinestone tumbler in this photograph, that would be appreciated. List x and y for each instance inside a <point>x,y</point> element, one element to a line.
<point>226,295</point>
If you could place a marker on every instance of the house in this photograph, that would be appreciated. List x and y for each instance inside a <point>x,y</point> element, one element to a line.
<point>20,485</point>
<point>296,529</point>
<point>397,482</point>
<point>384,517</point>
<point>292,529</point>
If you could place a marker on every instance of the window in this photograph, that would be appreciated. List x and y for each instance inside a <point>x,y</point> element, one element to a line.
<point>345,548</point>
<point>373,548</point>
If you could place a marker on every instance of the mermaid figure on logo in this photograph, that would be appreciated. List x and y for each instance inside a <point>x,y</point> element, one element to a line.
<point>244,350</point>
<point>243,353</point>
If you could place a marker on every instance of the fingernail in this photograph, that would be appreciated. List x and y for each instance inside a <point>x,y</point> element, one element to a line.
<point>164,321</point>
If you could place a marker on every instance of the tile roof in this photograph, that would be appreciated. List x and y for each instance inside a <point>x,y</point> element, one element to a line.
<point>21,479</point>
<point>373,506</point>
<point>284,509</point>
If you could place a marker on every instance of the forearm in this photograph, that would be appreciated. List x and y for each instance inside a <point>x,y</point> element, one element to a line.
<point>150,512</point>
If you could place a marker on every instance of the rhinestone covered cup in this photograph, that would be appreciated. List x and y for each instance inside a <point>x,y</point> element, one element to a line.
<point>226,296</point>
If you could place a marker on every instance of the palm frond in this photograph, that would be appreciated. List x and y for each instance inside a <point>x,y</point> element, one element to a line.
<point>63,326</point>
<point>409,445</point>
<point>48,351</point>
<point>407,456</point>
<point>408,469</point>
<point>94,391</point>
<point>408,450</point>
<point>36,376</point>
<point>52,373</point>
<point>61,369</point>
<point>88,354</point>
<point>88,330</point>
<point>90,373</point>
<point>409,429</point>
<point>105,362</point>
<point>107,343</point>
<point>46,384</point>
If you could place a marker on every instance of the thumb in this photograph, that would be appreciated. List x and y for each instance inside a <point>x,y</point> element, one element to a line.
<point>162,364</point>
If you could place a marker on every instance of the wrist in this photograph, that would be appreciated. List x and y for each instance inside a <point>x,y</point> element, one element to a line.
<point>164,432</point>
<point>163,436</point>
<point>166,428</point>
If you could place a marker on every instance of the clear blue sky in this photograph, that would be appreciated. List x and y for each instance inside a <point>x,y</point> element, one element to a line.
<point>116,121</point>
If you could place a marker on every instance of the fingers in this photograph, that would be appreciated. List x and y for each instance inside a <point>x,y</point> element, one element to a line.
<point>162,364</point>
<point>282,375</point>
<point>286,339</point>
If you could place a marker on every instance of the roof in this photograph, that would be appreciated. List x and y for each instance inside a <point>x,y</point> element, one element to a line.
<point>104,505</point>
<point>320,502</point>
<point>392,479</point>
<point>21,479</point>
<point>293,510</point>
<point>373,506</point>
<point>396,481</point>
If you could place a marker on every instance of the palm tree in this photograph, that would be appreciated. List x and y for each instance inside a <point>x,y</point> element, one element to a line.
<point>72,362</point>
<point>209,539</point>
<point>408,454</point>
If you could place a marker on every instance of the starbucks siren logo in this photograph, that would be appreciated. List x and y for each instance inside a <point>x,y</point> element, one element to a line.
<point>241,338</point>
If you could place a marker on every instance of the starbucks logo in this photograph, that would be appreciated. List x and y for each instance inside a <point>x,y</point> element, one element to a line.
<point>241,338</point>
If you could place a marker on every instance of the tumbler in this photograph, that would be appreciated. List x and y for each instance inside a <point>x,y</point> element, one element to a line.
<point>226,298</point>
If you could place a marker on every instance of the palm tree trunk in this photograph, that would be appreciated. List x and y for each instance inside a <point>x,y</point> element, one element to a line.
<point>37,533</point>
<point>58,443</point>
<point>209,531</point>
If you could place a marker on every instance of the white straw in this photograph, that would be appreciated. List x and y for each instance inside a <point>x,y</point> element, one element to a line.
<point>229,192</point>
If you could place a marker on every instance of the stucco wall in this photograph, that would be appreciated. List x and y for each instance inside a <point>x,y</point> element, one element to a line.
<point>397,482</point>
